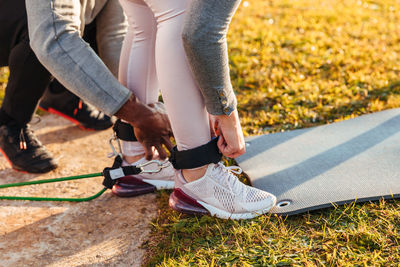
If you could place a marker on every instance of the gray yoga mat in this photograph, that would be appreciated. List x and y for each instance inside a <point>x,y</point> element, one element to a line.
<point>314,168</point>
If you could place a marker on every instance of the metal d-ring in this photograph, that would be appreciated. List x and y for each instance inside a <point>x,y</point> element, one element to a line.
<point>114,152</point>
<point>160,164</point>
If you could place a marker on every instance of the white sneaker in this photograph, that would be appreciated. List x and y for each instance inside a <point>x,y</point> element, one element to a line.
<point>220,193</point>
<point>134,185</point>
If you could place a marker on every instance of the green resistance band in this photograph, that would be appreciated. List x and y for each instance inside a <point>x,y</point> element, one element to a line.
<point>76,177</point>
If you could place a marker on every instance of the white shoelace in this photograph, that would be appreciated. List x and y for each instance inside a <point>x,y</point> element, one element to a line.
<point>234,169</point>
<point>227,173</point>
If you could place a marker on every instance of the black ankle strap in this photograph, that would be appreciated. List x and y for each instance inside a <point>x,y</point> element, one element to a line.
<point>196,157</point>
<point>124,131</point>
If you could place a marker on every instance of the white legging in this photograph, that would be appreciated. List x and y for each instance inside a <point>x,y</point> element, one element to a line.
<point>153,57</point>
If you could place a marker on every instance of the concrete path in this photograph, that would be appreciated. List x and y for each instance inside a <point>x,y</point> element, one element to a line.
<point>107,231</point>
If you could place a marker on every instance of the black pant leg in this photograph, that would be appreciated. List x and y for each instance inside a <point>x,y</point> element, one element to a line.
<point>26,84</point>
<point>28,78</point>
<point>10,14</point>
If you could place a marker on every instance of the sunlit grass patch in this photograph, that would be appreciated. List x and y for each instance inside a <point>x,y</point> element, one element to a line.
<point>301,63</point>
<point>346,236</point>
<point>296,64</point>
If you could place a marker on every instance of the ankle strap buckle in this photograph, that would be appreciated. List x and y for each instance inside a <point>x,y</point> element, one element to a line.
<point>160,165</point>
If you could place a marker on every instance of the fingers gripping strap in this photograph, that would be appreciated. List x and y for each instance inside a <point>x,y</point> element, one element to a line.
<point>196,157</point>
<point>124,131</point>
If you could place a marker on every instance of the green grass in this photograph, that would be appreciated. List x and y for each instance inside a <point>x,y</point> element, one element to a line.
<point>306,62</point>
<point>297,64</point>
<point>363,235</point>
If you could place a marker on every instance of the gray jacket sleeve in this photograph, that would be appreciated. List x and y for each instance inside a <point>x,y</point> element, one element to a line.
<point>204,39</point>
<point>54,27</point>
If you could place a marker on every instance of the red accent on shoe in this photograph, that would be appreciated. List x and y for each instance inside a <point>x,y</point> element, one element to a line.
<point>77,123</point>
<point>130,186</point>
<point>130,180</point>
<point>9,162</point>
<point>183,203</point>
<point>189,200</point>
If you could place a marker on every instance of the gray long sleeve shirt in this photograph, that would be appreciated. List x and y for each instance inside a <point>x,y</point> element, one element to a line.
<point>55,28</point>
<point>204,39</point>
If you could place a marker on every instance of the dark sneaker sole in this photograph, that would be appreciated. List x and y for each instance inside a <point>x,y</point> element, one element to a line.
<point>74,121</point>
<point>16,168</point>
<point>130,186</point>
<point>183,203</point>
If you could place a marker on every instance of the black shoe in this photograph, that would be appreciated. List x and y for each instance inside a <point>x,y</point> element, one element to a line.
<point>23,150</point>
<point>69,106</point>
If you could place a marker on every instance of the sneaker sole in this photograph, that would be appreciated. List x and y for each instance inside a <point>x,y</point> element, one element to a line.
<point>137,186</point>
<point>18,169</point>
<point>183,203</point>
<point>77,123</point>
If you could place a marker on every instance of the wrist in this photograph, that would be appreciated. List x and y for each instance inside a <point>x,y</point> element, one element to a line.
<point>132,111</point>
<point>233,116</point>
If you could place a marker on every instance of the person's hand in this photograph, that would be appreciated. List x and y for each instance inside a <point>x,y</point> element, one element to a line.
<point>151,125</point>
<point>155,132</point>
<point>231,141</point>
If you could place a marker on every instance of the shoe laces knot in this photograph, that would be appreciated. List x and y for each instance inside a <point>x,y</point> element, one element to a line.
<point>22,141</point>
<point>231,180</point>
<point>234,169</point>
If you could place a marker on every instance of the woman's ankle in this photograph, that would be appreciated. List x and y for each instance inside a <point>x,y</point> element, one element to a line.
<point>191,175</point>
<point>132,159</point>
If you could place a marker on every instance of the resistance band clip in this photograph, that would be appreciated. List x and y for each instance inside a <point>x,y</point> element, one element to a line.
<point>118,171</point>
<point>122,131</point>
